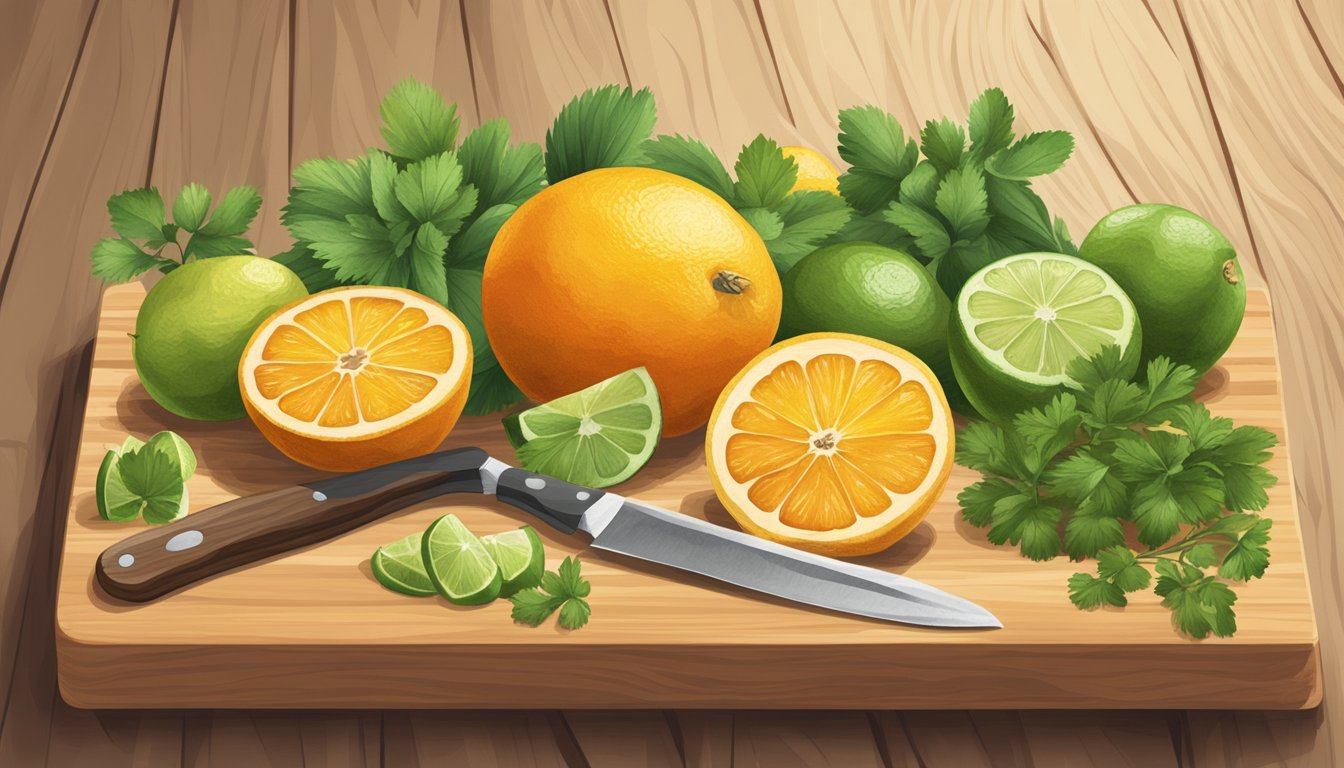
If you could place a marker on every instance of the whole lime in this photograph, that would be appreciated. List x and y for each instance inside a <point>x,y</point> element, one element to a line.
<point>875,291</point>
<point>192,328</point>
<point>1182,275</point>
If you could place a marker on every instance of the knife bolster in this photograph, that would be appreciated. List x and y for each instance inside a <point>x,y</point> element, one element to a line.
<point>559,504</point>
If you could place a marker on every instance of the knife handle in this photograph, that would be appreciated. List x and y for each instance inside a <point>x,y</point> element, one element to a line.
<point>557,503</point>
<point>161,560</point>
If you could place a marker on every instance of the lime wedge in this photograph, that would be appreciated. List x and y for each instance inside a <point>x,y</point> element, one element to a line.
<point>597,437</point>
<point>1020,321</point>
<point>400,567</point>
<point>520,557</point>
<point>458,564</point>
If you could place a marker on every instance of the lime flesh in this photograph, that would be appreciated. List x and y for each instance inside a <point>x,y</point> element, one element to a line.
<point>520,557</point>
<point>596,437</point>
<point>458,564</point>
<point>400,567</point>
<point>1020,321</point>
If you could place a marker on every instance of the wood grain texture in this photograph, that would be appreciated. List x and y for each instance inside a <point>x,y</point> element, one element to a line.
<point>311,628</point>
<point>48,312</point>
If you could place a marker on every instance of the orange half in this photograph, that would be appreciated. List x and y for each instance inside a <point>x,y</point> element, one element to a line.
<point>355,377</point>
<point>832,443</point>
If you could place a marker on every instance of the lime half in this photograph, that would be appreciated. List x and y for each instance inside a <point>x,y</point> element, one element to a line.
<point>520,557</point>
<point>596,437</point>
<point>400,567</point>
<point>458,564</point>
<point>1020,321</point>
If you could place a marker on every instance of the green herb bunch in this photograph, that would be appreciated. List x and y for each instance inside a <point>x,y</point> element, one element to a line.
<point>147,239</point>
<point>1112,455</point>
<point>564,589</point>
<point>968,202</point>
<point>420,215</point>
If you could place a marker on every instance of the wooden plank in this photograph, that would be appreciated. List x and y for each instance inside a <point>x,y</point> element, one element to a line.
<point>40,46</point>
<point>487,739</point>
<point>625,739</point>
<point>812,739</point>
<point>710,67</point>
<point>225,119</point>
<point>48,312</point>
<point>1279,104</point>
<point>281,739</point>
<point>706,736</point>
<point>529,64</point>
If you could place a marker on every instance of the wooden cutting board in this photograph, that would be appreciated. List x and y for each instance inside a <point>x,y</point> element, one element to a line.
<point>313,628</point>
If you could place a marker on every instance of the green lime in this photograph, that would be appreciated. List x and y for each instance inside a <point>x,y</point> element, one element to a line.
<point>597,437</point>
<point>875,291</point>
<point>118,503</point>
<point>400,567</point>
<point>1021,320</point>
<point>520,557</point>
<point>458,564</point>
<point>1182,275</point>
<point>193,325</point>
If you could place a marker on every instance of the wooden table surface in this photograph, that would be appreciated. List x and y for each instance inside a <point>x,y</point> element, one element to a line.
<point>1235,110</point>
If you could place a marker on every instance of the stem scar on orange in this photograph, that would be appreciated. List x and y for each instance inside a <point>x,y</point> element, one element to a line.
<point>352,378</point>
<point>619,268</point>
<point>832,443</point>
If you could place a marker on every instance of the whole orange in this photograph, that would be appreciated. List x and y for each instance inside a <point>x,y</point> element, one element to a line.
<point>622,267</point>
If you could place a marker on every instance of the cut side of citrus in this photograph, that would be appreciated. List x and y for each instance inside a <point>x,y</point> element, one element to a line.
<point>355,377</point>
<point>830,442</point>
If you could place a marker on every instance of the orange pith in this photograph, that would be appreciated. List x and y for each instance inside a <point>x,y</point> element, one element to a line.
<point>351,377</point>
<point>838,446</point>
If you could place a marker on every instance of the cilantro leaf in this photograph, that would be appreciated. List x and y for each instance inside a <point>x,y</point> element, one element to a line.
<point>427,273</point>
<point>1199,604</point>
<point>920,187</point>
<point>983,446</point>
<point>879,155</point>
<point>1075,477</point>
<point>234,214</point>
<point>942,142</point>
<point>1047,431</point>
<point>1244,487</point>
<point>1247,445</point>
<point>1249,556</point>
<point>1090,531</point>
<point>1090,372</point>
<point>432,192</point>
<point>502,174</point>
<point>571,582</point>
<point>767,224</point>
<point>930,235</point>
<point>190,207</point>
<point>1087,592</point>
<point>1021,519</point>
<point>118,260</point>
<point>1115,403</point>
<point>764,174</point>
<point>872,228</point>
<point>1119,565</point>
<point>600,128</point>
<point>153,478</point>
<point>691,159</point>
<point>1201,555</point>
<point>1167,384</point>
<point>1019,216</point>
<point>962,201</point>
<point>531,606</point>
<point>1035,154</point>
<point>417,123</point>
<point>978,500</point>
<point>574,613</point>
<point>470,246</point>
<point>808,217</point>
<point>137,214</point>
<point>990,123</point>
<point>1206,432</point>
<point>203,246</point>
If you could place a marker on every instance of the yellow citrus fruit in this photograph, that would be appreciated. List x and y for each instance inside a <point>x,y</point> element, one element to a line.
<point>814,170</point>
<point>352,378</point>
<point>619,268</point>
<point>833,443</point>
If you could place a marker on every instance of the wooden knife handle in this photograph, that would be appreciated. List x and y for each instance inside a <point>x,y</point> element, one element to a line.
<point>161,560</point>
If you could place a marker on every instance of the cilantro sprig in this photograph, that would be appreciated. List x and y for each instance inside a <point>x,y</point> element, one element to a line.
<point>420,214</point>
<point>1112,456</point>
<point>147,239</point>
<point>145,479</point>
<point>966,203</point>
<point>562,589</point>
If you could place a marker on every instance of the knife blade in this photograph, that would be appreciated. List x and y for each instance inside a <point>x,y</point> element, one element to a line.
<point>162,560</point>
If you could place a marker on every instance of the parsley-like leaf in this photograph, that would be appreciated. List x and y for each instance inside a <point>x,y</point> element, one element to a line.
<point>1035,154</point>
<point>574,614</point>
<point>764,174</point>
<point>1199,604</point>
<point>979,499</point>
<point>691,159</point>
<point>234,214</point>
<point>920,187</point>
<point>1089,531</point>
<point>502,174</point>
<point>990,123</point>
<point>1118,565</point>
<point>137,214</point>
<point>432,192</point>
<point>565,589</point>
<point>190,207</point>
<point>942,142</point>
<point>1167,383</point>
<point>961,200</point>
<point>531,606</point>
<point>879,155</point>
<point>808,217</point>
<point>1021,519</point>
<point>767,224</point>
<point>118,260</point>
<point>1087,592</point>
<point>930,235</point>
<point>1249,555</point>
<point>417,123</point>
<point>153,478</point>
<point>601,128</point>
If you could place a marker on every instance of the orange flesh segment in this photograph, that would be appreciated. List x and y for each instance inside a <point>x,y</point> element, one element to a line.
<point>878,422</point>
<point>384,392</point>
<point>428,349</point>
<point>306,402</point>
<point>293,344</point>
<point>275,379</point>
<point>341,410</point>
<point>329,323</point>
<point>406,321</point>
<point>369,315</point>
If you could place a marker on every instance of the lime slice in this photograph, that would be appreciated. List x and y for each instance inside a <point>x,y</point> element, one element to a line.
<point>118,503</point>
<point>596,437</point>
<point>458,564</point>
<point>520,557</point>
<point>1020,321</point>
<point>400,567</point>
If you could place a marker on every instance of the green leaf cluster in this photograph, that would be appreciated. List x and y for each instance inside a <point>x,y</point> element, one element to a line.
<point>791,224</point>
<point>966,203</point>
<point>145,479</point>
<point>564,589</point>
<point>195,231</point>
<point>1114,456</point>
<point>420,214</point>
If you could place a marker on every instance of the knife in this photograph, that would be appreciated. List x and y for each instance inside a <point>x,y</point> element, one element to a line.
<point>161,560</point>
